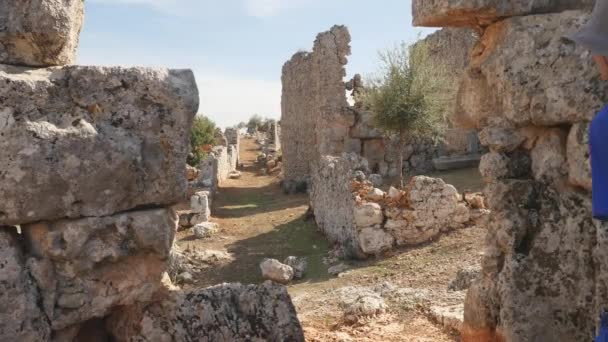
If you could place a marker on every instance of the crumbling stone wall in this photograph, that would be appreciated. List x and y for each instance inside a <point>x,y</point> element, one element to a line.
<point>365,221</point>
<point>91,161</point>
<point>313,97</point>
<point>532,93</point>
<point>318,120</point>
<point>233,137</point>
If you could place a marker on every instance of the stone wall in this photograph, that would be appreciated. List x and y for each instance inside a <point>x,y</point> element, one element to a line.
<point>317,119</point>
<point>532,93</point>
<point>365,221</point>
<point>91,161</point>
<point>233,137</point>
<point>313,95</point>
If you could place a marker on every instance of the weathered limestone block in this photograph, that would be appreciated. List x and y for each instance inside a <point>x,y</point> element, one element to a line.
<point>494,165</point>
<point>86,267</point>
<point>40,32</point>
<point>274,270</point>
<point>480,13</point>
<point>21,319</point>
<point>579,164</point>
<point>368,214</point>
<point>549,156</point>
<point>375,240</point>
<point>92,141</point>
<point>501,139</point>
<point>538,268</point>
<point>334,204</point>
<point>531,75</point>
<point>228,312</point>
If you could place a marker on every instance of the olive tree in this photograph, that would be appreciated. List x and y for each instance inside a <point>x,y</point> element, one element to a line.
<point>410,94</point>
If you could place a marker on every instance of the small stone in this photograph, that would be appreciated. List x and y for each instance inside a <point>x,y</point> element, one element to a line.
<point>337,269</point>
<point>274,270</point>
<point>185,278</point>
<point>376,195</point>
<point>205,230</point>
<point>394,194</point>
<point>368,214</point>
<point>360,176</point>
<point>299,265</point>
<point>234,175</point>
<point>376,180</point>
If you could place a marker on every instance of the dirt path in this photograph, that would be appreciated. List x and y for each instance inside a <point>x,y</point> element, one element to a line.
<point>258,221</point>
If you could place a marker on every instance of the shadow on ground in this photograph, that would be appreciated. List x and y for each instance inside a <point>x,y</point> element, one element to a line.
<point>297,238</point>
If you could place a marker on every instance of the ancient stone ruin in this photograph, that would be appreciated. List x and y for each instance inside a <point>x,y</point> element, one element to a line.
<point>532,93</point>
<point>318,120</point>
<point>365,221</point>
<point>91,161</point>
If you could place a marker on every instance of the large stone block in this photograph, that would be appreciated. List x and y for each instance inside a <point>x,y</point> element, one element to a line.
<point>21,319</point>
<point>525,70</point>
<point>579,162</point>
<point>92,141</point>
<point>228,312</point>
<point>86,267</point>
<point>40,32</point>
<point>481,13</point>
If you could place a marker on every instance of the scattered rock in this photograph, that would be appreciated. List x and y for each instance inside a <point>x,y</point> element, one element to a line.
<point>205,230</point>
<point>298,265</point>
<point>234,175</point>
<point>360,302</point>
<point>375,241</point>
<point>274,270</point>
<point>191,173</point>
<point>394,194</point>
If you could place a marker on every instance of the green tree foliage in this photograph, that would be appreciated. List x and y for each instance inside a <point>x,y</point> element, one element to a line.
<point>410,95</point>
<point>203,130</point>
<point>255,122</point>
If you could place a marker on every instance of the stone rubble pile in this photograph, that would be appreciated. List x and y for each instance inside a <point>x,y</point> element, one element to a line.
<point>532,94</point>
<point>91,161</point>
<point>366,221</point>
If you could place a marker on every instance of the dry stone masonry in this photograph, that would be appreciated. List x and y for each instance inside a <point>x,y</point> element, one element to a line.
<point>365,221</point>
<point>532,94</point>
<point>91,161</point>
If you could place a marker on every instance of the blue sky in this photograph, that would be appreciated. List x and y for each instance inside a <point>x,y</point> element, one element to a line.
<point>237,47</point>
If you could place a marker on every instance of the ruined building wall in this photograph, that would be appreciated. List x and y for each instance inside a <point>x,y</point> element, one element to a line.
<point>91,161</point>
<point>313,96</point>
<point>532,93</point>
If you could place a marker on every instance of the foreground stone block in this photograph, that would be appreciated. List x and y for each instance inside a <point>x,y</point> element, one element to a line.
<point>480,13</point>
<point>40,32</point>
<point>228,312</point>
<point>92,141</point>
<point>530,76</point>
<point>20,317</point>
<point>86,267</point>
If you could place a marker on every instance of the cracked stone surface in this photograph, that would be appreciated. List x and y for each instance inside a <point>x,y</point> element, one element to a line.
<point>40,32</point>
<point>87,266</point>
<point>92,141</point>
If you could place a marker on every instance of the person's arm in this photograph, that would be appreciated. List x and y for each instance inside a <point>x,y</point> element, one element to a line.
<point>602,63</point>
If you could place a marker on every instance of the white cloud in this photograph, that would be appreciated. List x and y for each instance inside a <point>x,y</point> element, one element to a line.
<point>267,8</point>
<point>228,99</point>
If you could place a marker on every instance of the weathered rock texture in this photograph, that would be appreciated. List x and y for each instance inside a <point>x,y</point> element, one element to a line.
<point>40,32</point>
<point>85,267</point>
<point>21,319</point>
<point>90,141</point>
<point>482,13</point>
<point>365,221</point>
<point>318,121</point>
<point>533,94</point>
<point>229,312</point>
<point>313,95</point>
